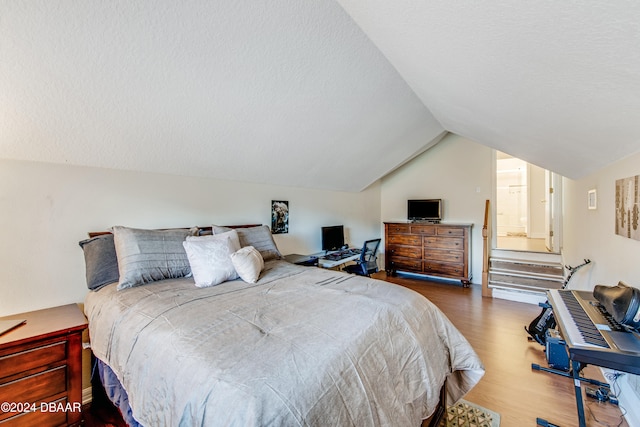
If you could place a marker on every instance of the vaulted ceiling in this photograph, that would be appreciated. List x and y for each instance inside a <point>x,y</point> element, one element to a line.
<point>318,94</point>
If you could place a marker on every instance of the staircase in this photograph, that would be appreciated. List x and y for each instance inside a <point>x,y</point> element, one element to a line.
<point>524,276</point>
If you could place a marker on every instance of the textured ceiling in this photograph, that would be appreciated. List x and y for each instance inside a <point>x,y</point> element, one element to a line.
<point>281,92</point>
<point>296,93</point>
<point>554,83</point>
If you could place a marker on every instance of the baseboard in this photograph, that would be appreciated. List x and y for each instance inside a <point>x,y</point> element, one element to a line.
<point>627,395</point>
<point>87,396</point>
<point>519,296</point>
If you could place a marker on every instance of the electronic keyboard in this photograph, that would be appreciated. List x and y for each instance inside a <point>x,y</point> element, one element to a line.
<point>591,334</point>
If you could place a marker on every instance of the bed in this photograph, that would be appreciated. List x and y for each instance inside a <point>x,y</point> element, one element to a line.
<point>291,345</point>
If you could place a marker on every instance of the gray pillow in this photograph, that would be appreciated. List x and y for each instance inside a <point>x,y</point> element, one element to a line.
<point>259,237</point>
<point>145,256</point>
<point>101,262</point>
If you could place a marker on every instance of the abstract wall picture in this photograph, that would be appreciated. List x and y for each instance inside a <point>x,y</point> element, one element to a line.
<point>592,199</point>
<point>279,217</point>
<point>627,197</point>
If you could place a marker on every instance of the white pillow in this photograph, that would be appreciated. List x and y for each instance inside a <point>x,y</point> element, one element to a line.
<point>210,260</point>
<point>248,263</point>
<point>233,234</point>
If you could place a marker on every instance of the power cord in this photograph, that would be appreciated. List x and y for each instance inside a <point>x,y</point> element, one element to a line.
<point>612,379</point>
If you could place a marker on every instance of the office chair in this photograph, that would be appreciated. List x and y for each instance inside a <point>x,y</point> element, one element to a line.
<point>367,264</point>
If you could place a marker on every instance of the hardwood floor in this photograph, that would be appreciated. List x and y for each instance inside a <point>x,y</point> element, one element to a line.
<point>495,329</point>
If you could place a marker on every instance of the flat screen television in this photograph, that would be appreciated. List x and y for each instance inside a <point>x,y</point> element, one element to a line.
<point>424,210</point>
<point>332,237</point>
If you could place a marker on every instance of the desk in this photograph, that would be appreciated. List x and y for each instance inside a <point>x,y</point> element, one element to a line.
<point>317,260</point>
<point>306,260</point>
<point>326,263</point>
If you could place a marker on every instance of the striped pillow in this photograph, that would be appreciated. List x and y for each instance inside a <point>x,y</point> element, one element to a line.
<point>145,256</point>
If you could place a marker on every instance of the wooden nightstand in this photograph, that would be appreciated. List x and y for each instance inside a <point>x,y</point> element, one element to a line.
<point>41,368</point>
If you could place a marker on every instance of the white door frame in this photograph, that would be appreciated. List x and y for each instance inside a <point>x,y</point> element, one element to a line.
<point>553,209</point>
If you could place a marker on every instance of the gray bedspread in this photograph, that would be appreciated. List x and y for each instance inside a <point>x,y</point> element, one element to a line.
<point>303,346</point>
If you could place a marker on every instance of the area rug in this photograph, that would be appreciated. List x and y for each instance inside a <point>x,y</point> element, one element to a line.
<point>467,414</point>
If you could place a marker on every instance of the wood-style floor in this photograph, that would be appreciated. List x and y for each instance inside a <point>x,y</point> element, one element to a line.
<point>495,329</point>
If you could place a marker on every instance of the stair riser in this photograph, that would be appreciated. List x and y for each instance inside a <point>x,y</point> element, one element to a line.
<point>525,281</point>
<point>551,270</point>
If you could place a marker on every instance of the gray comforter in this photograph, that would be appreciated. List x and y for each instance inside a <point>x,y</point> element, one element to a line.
<point>303,346</point>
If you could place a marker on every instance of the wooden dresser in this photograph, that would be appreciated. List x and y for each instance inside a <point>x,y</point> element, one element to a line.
<point>41,368</point>
<point>442,250</point>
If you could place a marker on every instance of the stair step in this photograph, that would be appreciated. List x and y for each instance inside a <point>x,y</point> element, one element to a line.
<point>538,282</point>
<point>528,296</point>
<point>539,257</point>
<point>529,268</point>
<point>529,274</point>
<point>518,286</point>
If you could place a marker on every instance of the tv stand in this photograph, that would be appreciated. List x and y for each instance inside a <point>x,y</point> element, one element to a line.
<point>425,221</point>
<point>440,250</point>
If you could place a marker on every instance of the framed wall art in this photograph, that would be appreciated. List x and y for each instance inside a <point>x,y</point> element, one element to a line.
<point>279,216</point>
<point>592,200</point>
<point>627,197</point>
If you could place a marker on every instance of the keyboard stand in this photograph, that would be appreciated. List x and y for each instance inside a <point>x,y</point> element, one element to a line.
<point>576,368</point>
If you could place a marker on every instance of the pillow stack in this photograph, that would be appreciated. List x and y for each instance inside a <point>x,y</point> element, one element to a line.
<point>135,257</point>
<point>210,258</point>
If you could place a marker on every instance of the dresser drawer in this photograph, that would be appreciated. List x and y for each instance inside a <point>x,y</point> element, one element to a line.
<point>442,268</point>
<point>36,357</point>
<point>35,388</point>
<point>406,264</point>
<point>398,229</point>
<point>404,239</point>
<point>424,230</point>
<point>444,243</point>
<point>448,256</point>
<point>449,231</point>
<point>405,251</point>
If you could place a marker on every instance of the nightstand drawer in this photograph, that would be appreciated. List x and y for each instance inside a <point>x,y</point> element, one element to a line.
<point>33,358</point>
<point>39,418</point>
<point>41,362</point>
<point>35,388</point>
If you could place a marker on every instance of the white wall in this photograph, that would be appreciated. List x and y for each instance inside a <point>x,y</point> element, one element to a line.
<point>46,209</point>
<point>591,233</point>
<point>457,170</point>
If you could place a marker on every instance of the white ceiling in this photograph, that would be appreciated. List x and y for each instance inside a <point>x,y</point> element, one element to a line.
<point>295,93</point>
<point>554,83</point>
